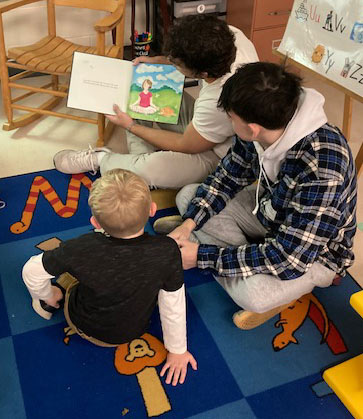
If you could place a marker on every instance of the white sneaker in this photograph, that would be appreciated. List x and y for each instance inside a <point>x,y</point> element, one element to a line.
<point>73,162</point>
<point>43,309</point>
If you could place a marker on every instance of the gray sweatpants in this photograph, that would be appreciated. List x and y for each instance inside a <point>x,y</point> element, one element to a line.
<point>234,226</point>
<point>164,169</point>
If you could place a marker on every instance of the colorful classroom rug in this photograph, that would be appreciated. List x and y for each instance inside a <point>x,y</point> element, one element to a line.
<point>274,371</point>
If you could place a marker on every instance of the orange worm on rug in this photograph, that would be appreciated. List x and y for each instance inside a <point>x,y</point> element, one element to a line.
<point>41,185</point>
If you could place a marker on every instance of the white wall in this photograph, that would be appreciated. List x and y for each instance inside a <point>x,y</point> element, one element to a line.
<point>28,24</point>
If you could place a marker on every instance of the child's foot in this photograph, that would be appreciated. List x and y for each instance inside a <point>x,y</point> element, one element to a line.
<point>46,310</point>
<point>43,309</point>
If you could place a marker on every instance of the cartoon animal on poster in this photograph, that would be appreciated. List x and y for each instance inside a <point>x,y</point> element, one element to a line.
<point>318,54</point>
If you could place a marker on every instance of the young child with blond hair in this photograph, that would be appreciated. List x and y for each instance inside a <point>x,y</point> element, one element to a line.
<point>121,272</point>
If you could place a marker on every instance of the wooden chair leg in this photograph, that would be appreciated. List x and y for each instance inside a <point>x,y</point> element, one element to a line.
<point>4,74</point>
<point>55,82</point>
<point>101,130</point>
<point>6,92</point>
<point>108,132</point>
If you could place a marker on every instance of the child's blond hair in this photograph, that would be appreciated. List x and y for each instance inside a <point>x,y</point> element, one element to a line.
<point>120,201</point>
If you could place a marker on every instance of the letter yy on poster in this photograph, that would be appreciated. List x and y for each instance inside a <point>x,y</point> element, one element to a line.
<point>151,92</point>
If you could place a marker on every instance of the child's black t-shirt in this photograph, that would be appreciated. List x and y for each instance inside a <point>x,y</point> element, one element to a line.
<point>119,281</point>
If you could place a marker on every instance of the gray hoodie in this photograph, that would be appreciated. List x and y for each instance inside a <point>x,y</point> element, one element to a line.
<point>308,117</point>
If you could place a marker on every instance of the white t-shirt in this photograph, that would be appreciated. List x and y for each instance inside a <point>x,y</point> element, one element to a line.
<point>212,123</point>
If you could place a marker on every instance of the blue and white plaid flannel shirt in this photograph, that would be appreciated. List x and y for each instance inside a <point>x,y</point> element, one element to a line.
<point>314,196</point>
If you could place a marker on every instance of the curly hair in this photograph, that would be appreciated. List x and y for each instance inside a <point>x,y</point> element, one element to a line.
<point>262,93</point>
<point>120,201</point>
<point>202,43</point>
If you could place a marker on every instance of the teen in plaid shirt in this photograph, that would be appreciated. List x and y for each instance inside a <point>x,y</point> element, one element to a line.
<point>272,242</point>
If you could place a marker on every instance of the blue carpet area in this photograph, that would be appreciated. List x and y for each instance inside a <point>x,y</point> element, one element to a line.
<point>241,374</point>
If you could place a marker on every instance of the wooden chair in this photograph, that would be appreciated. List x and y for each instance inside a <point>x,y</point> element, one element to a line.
<point>52,55</point>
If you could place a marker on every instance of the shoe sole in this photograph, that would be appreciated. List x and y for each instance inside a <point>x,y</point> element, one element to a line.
<point>166,225</point>
<point>247,320</point>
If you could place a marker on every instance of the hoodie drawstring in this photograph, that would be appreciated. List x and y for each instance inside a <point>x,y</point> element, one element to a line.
<point>254,212</point>
<point>260,160</point>
<point>262,172</point>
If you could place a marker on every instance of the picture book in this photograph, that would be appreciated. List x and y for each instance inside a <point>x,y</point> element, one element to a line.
<point>151,92</point>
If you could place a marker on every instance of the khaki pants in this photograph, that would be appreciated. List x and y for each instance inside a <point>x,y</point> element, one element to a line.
<point>67,281</point>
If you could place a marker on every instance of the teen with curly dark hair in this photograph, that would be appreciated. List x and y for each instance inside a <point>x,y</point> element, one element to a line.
<point>200,46</point>
<point>212,54</point>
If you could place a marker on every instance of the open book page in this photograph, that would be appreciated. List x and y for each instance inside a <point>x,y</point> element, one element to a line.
<point>156,93</point>
<point>98,82</point>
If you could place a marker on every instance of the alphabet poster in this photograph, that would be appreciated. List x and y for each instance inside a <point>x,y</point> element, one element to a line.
<point>327,37</point>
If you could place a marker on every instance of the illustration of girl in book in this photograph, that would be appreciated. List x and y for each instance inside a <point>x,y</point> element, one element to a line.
<point>144,103</point>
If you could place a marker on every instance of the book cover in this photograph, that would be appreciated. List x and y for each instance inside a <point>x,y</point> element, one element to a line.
<point>151,92</point>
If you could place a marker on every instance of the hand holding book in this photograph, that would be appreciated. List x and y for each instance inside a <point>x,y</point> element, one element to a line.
<point>121,118</point>
<point>146,91</point>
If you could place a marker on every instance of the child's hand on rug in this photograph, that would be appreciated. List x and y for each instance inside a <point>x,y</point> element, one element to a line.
<point>56,296</point>
<point>177,365</point>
